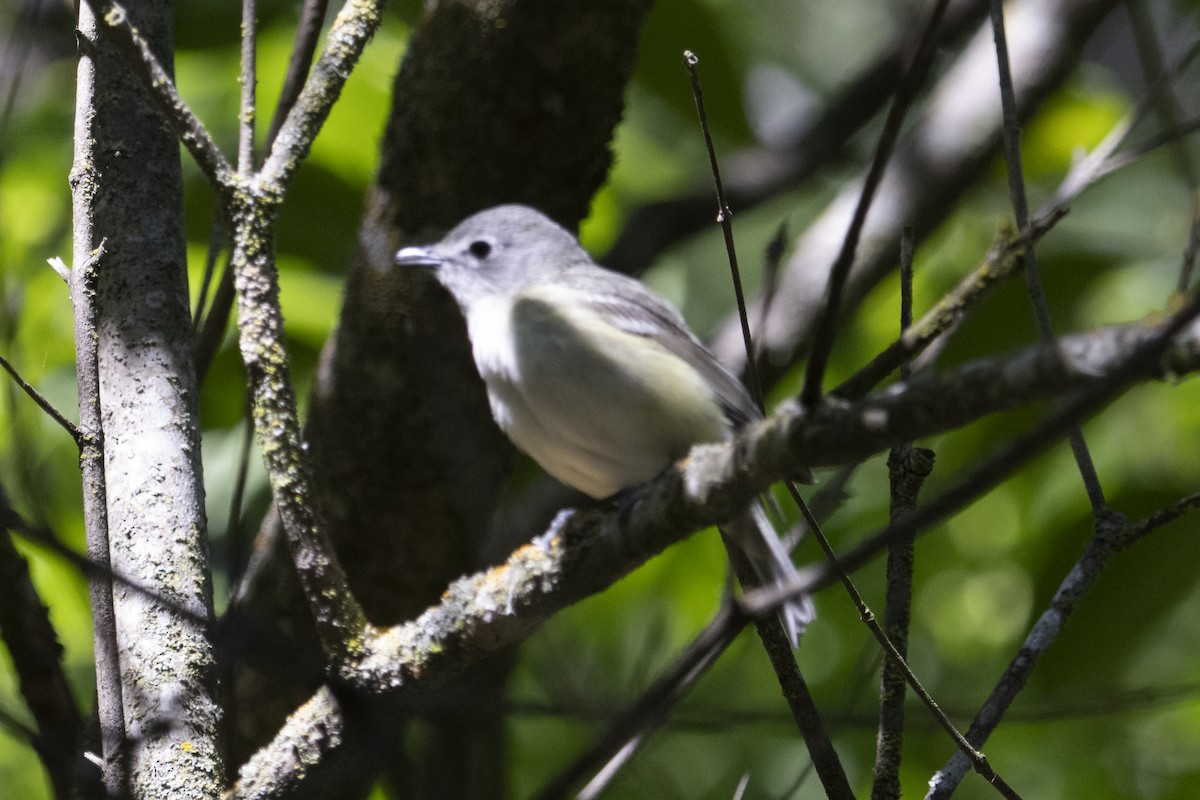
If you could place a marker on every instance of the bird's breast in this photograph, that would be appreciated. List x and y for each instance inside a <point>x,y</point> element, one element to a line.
<point>599,408</point>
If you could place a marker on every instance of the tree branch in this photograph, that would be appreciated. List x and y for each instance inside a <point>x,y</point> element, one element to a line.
<point>936,161</point>
<point>826,326</point>
<point>1111,535</point>
<point>1033,273</point>
<point>354,26</point>
<point>161,85</point>
<point>583,553</point>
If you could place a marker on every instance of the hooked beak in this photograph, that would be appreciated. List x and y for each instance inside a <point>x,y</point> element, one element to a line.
<point>418,257</point>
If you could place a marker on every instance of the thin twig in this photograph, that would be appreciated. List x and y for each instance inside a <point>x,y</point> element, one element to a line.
<point>187,125</point>
<point>907,470</point>
<point>1150,143</point>
<point>41,537</point>
<point>725,218</point>
<point>838,570</point>
<point>42,402</point>
<point>308,31</point>
<point>212,332</point>
<point>778,647</point>
<point>249,80</point>
<point>906,90</point>
<point>1033,275</point>
<point>235,529</point>
<point>341,623</point>
<point>1109,534</point>
<point>1103,160</point>
<point>1154,68</point>
<point>1003,260</point>
<point>216,240</point>
<point>630,728</point>
<point>1080,405</point>
<point>344,43</point>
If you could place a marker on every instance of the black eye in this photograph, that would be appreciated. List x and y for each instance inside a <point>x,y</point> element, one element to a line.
<point>480,249</point>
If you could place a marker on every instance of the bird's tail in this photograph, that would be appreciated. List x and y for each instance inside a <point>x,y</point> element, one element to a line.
<point>755,534</point>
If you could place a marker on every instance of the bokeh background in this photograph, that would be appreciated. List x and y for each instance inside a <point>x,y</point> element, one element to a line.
<point>1114,709</point>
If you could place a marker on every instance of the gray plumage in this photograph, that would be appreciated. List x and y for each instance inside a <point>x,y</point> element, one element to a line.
<point>588,371</point>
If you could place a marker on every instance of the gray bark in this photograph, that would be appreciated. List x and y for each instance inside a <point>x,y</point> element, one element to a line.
<point>127,193</point>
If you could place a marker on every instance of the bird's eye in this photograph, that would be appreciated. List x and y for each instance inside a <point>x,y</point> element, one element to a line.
<point>480,249</point>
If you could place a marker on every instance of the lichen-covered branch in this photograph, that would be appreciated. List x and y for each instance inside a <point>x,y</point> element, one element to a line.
<point>587,551</point>
<point>339,618</point>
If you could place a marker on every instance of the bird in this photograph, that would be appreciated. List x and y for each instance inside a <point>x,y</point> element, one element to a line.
<point>590,372</point>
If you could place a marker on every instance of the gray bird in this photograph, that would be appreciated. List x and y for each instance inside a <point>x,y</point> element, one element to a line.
<point>591,373</point>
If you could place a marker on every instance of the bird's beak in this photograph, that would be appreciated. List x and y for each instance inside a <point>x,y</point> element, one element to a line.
<point>418,257</point>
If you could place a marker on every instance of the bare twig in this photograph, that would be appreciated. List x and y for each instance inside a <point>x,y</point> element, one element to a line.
<point>1003,260</point>
<point>235,528</point>
<point>216,241</point>
<point>1150,143</point>
<point>906,92</point>
<point>1016,184</point>
<point>725,219</point>
<point>60,269</point>
<point>187,125</point>
<point>629,729</point>
<point>1142,355</point>
<point>804,710</point>
<point>42,402</point>
<point>43,538</point>
<point>340,619</point>
<point>795,689</point>
<point>1111,535</point>
<point>312,16</point>
<point>212,331</point>
<point>1154,68</point>
<point>353,28</point>
<point>209,328</point>
<point>249,80</point>
<point>907,470</point>
<point>307,33</point>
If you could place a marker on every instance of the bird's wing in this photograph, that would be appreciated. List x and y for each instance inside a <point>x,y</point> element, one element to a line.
<point>637,310</point>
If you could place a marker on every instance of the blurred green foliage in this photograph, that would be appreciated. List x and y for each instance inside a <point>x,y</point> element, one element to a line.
<point>1114,709</point>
